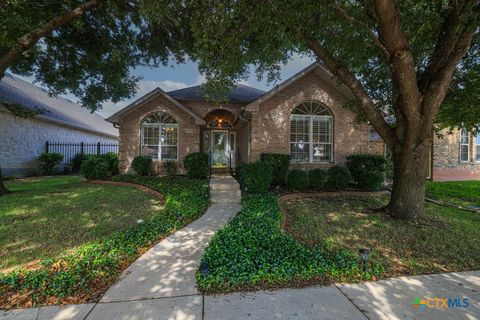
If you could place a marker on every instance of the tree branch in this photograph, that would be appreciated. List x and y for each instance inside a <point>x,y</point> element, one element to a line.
<point>28,40</point>
<point>372,113</point>
<point>403,65</point>
<point>449,35</point>
<point>366,27</point>
<point>438,85</point>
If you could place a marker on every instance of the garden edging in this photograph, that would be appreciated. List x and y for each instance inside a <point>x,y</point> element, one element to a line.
<point>291,196</point>
<point>130,184</point>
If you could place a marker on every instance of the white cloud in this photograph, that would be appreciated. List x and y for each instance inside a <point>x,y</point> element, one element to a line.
<point>144,87</point>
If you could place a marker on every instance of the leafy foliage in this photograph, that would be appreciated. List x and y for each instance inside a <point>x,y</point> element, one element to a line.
<point>90,57</point>
<point>196,165</point>
<point>256,177</point>
<point>49,162</point>
<point>95,168</point>
<point>338,178</point>
<point>142,165</point>
<point>317,179</point>
<point>77,161</point>
<point>297,180</point>
<point>252,250</point>
<point>368,170</point>
<point>280,164</point>
<point>96,264</point>
<point>170,168</point>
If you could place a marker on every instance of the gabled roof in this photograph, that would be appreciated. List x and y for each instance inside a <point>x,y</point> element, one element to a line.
<point>115,118</point>
<point>240,93</point>
<point>316,67</point>
<point>56,109</point>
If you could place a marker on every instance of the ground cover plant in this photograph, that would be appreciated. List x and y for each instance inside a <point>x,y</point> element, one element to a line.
<point>253,251</point>
<point>465,193</point>
<point>431,245</point>
<point>82,273</point>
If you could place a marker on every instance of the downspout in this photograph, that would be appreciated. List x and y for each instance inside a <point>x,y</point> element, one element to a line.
<point>240,116</point>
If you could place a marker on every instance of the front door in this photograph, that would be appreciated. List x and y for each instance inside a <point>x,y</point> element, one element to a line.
<point>219,148</point>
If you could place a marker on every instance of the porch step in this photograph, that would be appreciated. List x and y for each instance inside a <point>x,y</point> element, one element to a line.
<point>224,189</point>
<point>220,193</point>
<point>226,199</point>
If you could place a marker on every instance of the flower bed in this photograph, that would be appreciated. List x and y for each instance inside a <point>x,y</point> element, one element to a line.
<point>252,251</point>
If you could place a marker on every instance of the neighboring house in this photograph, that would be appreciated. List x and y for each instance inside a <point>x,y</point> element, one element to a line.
<point>23,140</point>
<point>304,117</point>
<point>456,156</point>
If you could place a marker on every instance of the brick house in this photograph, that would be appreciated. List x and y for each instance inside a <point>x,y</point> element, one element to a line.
<point>304,117</point>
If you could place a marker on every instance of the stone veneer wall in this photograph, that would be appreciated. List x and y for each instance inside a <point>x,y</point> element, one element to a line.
<point>446,151</point>
<point>23,140</point>
<point>271,123</point>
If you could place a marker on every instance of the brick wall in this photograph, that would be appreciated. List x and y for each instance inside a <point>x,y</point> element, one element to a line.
<point>271,123</point>
<point>446,151</point>
<point>129,146</point>
<point>23,140</point>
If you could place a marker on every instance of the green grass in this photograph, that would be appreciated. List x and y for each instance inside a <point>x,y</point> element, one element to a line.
<point>464,193</point>
<point>445,240</point>
<point>43,217</point>
<point>83,273</point>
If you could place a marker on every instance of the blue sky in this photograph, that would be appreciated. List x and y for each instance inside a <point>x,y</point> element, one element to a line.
<point>177,76</point>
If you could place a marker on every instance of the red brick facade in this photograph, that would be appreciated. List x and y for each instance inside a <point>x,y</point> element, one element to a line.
<point>260,128</point>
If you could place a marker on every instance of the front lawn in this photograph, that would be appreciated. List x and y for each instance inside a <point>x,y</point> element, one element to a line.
<point>83,273</point>
<point>464,193</point>
<point>445,240</point>
<point>42,217</point>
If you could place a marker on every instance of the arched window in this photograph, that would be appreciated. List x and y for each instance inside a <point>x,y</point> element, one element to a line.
<point>160,136</point>
<point>311,133</point>
<point>219,123</point>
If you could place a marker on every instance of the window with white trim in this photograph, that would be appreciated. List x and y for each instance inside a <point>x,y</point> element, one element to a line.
<point>477,147</point>
<point>464,145</point>
<point>160,136</point>
<point>311,133</point>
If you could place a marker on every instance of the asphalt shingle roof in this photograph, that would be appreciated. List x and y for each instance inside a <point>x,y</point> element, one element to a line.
<point>240,93</point>
<point>15,90</point>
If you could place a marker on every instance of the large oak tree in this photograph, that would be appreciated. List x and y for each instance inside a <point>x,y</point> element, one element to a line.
<point>397,57</point>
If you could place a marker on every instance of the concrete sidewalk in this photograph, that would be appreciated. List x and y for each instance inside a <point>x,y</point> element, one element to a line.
<point>386,299</point>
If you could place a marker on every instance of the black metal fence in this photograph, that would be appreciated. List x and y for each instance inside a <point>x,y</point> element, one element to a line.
<point>69,150</point>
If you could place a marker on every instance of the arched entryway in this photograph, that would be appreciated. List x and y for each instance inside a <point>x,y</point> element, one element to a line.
<point>219,139</point>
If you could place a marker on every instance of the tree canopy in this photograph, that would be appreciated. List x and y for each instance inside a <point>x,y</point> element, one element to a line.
<point>87,48</point>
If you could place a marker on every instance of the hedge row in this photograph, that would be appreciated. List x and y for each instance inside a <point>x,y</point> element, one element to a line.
<point>252,250</point>
<point>96,265</point>
<point>366,170</point>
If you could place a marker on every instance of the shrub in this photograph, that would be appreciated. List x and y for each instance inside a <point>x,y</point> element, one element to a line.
<point>256,177</point>
<point>80,270</point>
<point>142,165</point>
<point>95,168</point>
<point>113,162</point>
<point>317,179</point>
<point>196,165</point>
<point>279,163</point>
<point>77,161</point>
<point>297,180</point>
<point>49,161</point>
<point>338,178</point>
<point>252,249</point>
<point>368,170</point>
<point>170,168</point>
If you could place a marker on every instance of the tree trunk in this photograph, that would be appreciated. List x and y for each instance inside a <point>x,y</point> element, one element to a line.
<point>410,173</point>
<point>3,190</point>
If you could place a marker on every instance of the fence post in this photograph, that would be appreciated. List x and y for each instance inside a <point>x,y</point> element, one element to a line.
<point>98,148</point>
<point>46,147</point>
<point>81,148</point>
